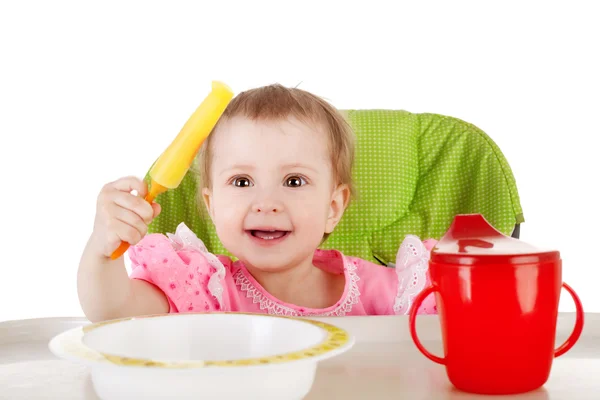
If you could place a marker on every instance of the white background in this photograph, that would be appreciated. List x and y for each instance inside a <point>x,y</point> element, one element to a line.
<point>90,92</point>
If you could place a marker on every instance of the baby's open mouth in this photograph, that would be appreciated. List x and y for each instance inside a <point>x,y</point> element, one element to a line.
<point>268,234</point>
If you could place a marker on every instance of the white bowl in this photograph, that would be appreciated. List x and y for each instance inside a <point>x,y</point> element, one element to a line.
<point>203,356</point>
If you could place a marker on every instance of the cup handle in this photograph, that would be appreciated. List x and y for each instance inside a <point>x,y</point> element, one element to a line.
<point>570,342</point>
<point>412,323</point>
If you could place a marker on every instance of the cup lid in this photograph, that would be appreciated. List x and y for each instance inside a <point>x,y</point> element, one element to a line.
<point>471,240</point>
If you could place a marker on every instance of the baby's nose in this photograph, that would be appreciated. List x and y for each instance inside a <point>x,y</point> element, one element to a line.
<point>267,201</point>
<point>266,208</point>
<point>267,204</point>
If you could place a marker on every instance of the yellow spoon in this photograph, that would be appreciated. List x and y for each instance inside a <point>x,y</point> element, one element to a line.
<point>172,165</point>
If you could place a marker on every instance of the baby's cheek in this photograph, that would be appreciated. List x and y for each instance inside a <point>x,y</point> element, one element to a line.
<point>228,210</point>
<point>310,218</point>
<point>228,219</point>
<point>228,229</point>
<point>310,204</point>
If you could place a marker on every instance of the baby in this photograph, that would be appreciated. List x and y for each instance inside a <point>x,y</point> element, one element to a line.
<point>275,177</point>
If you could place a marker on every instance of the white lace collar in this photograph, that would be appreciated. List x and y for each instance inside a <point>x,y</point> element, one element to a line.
<point>254,291</point>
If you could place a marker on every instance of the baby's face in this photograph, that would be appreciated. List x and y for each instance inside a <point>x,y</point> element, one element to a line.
<point>273,194</point>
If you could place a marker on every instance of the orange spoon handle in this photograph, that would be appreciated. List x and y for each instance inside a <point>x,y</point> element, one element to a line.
<point>155,190</point>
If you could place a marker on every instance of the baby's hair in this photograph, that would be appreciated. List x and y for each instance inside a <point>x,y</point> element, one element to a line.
<point>276,102</point>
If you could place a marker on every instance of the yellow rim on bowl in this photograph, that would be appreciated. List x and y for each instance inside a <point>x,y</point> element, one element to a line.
<point>70,343</point>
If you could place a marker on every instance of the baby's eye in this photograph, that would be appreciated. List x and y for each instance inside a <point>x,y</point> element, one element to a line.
<point>242,182</point>
<point>295,181</point>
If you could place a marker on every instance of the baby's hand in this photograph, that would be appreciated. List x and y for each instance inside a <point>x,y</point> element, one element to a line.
<point>122,216</point>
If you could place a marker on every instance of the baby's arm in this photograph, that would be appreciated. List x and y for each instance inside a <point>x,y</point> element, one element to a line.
<point>391,290</point>
<point>106,292</point>
<point>104,289</point>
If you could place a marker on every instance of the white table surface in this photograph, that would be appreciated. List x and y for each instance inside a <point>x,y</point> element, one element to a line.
<point>384,363</point>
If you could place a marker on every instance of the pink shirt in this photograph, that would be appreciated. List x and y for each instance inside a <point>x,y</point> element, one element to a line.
<point>195,280</point>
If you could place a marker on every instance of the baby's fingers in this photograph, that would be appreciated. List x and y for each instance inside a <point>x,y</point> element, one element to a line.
<point>136,204</point>
<point>156,208</point>
<point>131,219</point>
<point>129,184</point>
<point>124,233</point>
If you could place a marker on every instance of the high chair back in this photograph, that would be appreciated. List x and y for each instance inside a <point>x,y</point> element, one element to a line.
<point>413,174</point>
